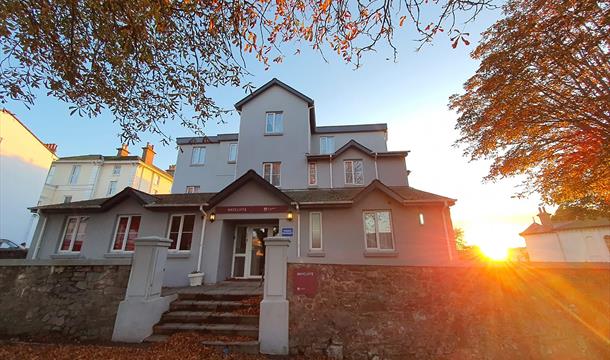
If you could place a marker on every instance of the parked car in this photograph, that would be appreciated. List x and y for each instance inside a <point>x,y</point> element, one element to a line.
<point>10,250</point>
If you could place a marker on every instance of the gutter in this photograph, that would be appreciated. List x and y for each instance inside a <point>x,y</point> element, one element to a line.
<point>204,218</point>
<point>298,230</point>
<point>330,166</point>
<point>376,170</point>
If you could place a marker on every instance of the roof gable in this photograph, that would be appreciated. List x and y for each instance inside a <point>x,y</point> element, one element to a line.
<point>249,176</point>
<point>378,185</point>
<point>273,82</point>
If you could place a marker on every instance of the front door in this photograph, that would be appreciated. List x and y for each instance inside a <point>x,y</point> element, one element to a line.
<point>248,250</point>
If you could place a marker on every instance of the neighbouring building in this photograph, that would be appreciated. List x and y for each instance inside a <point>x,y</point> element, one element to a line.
<point>336,192</point>
<point>24,163</point>
<point>84,177</point>
<point>567,240</point>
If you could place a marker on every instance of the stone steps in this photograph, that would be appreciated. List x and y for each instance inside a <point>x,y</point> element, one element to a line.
<point>215,297</point>
<point>215,329</point>
<point>244,347</point>
<point>208,317</point>
<point>207,305</point>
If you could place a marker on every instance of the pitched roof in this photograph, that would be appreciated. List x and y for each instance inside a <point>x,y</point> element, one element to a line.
<point>353,144</point>
<point>28,130</point>
<point>273,82</point>
<point>556,226</point>
<point>306,198</point>
<point>100,157</point>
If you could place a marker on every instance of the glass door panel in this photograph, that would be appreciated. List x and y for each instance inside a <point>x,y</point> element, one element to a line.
<point>257,255</point>
<point>239,251</point>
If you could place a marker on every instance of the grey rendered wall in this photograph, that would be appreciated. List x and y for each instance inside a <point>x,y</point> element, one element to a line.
<point>100,232</point>
<point>290,148</point>
<point>343,235</point>
<point>213,176</point>
<point>374,140</point>
<point>392,171</point>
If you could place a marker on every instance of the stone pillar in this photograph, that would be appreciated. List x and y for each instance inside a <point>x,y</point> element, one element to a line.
<point>273,321</point>
<point>143,304</point>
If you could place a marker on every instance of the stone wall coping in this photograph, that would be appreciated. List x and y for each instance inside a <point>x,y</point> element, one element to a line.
<point>64,262</point>
<point>153,241</point>
<point>277,241</point>
<point>538,265</point>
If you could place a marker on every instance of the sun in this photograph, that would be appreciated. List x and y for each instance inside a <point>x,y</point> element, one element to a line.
<point>494,251</point>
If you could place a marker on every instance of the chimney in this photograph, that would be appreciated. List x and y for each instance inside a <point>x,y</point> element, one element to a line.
<point>545,217</point>
<point>52,147</point>
<point>122,151</point>
<point>148,154</point>
<point>171,170</point>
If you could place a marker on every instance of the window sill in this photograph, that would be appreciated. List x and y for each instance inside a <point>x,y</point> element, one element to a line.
<point>316,253</point>
<point>113,255</point>
<point>178,254</point>
<point>197,165</point>
<point>231,162</point>
<point>274,134</point>
<point>66,256</point>
<point>373,253</point>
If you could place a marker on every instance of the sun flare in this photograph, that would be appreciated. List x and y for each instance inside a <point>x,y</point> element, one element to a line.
<point>495,251</point>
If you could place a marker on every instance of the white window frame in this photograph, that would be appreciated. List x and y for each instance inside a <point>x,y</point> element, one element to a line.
<point>378,248</point>
<point>79,219</point>
<point>116,170</point>
<point>422,219</point>
<point>196,189</point>
<point>232,152</point>
<point>179,240</point>
<point>156,179</point>
<point>271,173</point>
<point>315,170</point>
<point>126,236</point>
<point>200,160</point>
<point>311,248</point>
<point>74,174</point>
<point>324,144</point>
<point>50,174</point>
<point>276,117</point>
<point>352,161</point>
<point>112,189</point>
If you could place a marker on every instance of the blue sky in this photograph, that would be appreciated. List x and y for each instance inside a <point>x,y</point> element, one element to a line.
<point>410,95</point>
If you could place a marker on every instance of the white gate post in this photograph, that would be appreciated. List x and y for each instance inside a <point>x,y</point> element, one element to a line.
<point>143,304</point>
<point>273,321</point>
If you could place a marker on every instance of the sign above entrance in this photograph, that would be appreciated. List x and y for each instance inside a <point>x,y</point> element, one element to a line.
<point>251,209</point>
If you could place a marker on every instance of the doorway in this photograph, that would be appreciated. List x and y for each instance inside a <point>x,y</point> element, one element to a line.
<point>249,250</point>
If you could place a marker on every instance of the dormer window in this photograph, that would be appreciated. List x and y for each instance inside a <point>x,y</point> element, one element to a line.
<point>354,172</point>
<point>274,124</point>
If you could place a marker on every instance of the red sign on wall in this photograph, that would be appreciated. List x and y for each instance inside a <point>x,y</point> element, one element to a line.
<point>305,282</point>
<point>251,209</point>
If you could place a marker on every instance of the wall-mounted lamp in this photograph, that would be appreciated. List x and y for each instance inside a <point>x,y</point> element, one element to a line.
<point>212,217</point>
<point>290,216</point>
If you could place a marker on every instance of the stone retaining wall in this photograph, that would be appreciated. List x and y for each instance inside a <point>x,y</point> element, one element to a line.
<point>66,301</point>
<point>376,312</point>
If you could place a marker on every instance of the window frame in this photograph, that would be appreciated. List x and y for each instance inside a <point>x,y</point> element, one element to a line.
<point>326,139</point>
<point>229,160</point>
<point>156,179</point>
<point>271,173</point>
<point>114,170</point>
<point>194,187</point>
<point>315,169</point>
<point>179,240</point>
<point>112,190</point>
<point>50,175</point>
<point>421,218</point>
<point>353,172</point>
<point>311,248</point>
<point>378,248</point>
<point>193,155</point>
<point>126,236</point>
<point>274,130</point>
<point>74,234</point>
<point>74,175</point>
<point>67,199</point>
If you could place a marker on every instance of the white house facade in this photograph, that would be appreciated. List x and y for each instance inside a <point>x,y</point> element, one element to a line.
<point>335,192</point>
<point>84,177</point>
<point>24,163</point>
<point>575,240</point>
